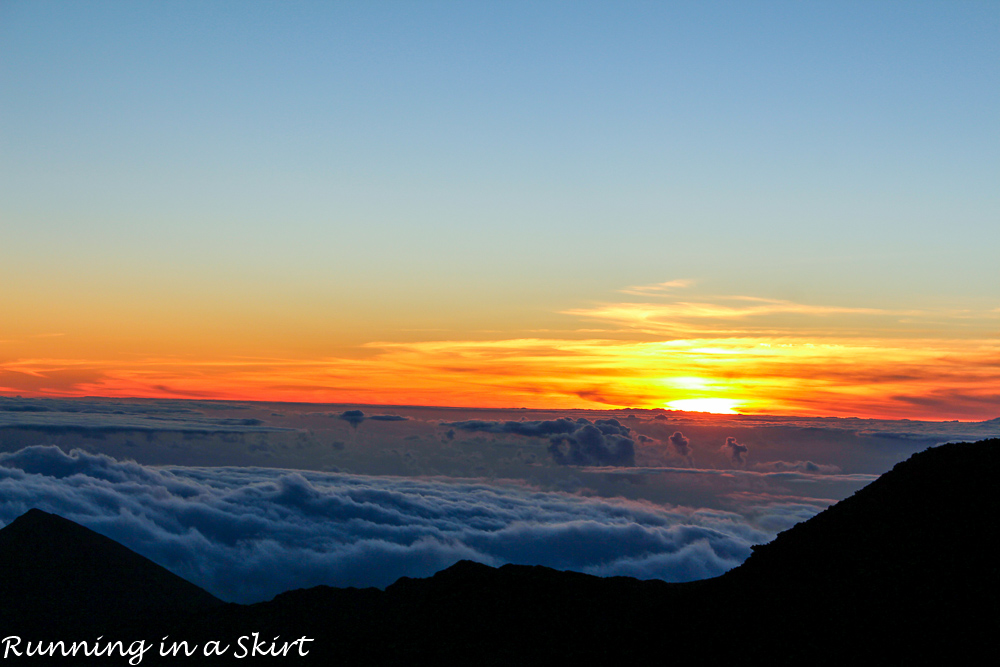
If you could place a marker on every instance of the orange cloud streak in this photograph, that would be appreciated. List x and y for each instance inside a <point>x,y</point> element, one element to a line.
<point>740,349</point>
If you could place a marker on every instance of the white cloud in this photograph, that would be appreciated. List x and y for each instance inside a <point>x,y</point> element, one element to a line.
<point>246,534</point>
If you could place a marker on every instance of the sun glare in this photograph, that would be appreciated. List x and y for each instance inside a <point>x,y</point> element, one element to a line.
<point>719,406</point>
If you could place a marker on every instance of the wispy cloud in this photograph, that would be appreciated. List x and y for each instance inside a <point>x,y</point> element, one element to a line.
<point>659,288</point>
<point>787,472</point>
<point>731,315</point>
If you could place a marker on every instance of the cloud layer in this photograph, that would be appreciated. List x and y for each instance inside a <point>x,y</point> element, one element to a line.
<point>246,534</point>
<point>580,442</point>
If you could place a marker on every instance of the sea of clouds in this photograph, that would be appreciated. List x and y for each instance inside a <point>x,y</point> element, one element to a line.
<point>246,534</point>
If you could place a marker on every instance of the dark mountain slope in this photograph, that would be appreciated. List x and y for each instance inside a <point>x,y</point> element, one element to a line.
<point>908,561</point>
<point>58,576</point>
<point>932,516</point>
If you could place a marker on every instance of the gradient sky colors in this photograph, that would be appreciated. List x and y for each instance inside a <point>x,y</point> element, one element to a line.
<point>779,207</point>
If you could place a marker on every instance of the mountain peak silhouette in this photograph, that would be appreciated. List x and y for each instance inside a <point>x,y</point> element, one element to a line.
<point>65,576</point>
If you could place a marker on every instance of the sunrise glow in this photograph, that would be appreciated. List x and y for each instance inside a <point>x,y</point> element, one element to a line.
<point>719,406</point>
<point>903,373</point>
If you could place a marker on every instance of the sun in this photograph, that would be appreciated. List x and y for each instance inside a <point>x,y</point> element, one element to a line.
<point>719,406</point>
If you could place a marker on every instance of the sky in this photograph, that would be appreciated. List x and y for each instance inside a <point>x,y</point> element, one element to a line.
<point>772,208</point>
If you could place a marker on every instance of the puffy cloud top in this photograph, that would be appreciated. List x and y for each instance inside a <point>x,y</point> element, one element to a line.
<point>681,444</point>
<point>246,534</point>
<point>735,450</point>
<point>580,442</point>
<point>352,417</point>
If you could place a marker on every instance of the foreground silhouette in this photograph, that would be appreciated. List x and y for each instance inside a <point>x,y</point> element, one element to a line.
<point>58,577</point>
<point>904,570</point>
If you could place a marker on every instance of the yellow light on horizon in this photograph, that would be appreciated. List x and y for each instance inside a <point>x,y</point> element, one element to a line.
<point>719,406</point>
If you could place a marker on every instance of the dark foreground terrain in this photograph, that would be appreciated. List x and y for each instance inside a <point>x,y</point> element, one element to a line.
<point>904,571</point>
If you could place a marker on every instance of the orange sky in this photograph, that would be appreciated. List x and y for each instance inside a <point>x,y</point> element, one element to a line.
<point>659,346</point>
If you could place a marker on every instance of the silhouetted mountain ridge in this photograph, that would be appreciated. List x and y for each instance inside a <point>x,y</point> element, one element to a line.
<point>946,492</point>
